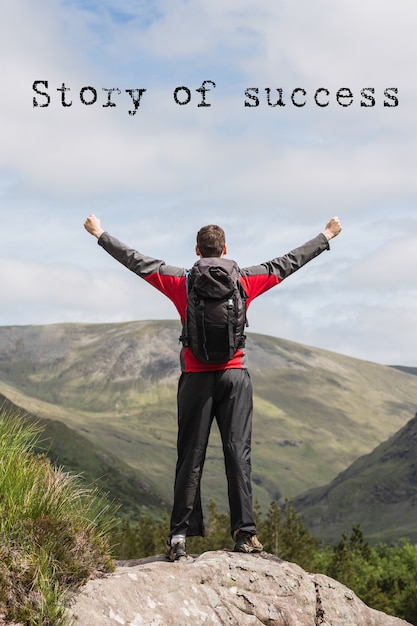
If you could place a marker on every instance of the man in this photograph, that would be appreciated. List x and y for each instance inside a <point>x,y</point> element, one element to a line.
<point>207,391</point>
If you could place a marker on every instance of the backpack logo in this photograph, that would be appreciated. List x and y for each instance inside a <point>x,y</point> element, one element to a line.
<point>216,311</point>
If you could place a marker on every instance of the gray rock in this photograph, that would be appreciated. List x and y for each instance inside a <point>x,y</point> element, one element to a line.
<point>220,587</point>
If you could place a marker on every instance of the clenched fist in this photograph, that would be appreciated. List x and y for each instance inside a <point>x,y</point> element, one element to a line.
<point>92,225</point>
<point>333,228</point>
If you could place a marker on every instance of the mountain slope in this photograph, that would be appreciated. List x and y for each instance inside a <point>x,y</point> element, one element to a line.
<point>407,370</point>
<point>379,491</point>
<point>74,453</point>
<point>115,384</point>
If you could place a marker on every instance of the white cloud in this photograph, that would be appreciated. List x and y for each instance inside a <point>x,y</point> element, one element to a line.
<point>390,268</point>
<point>40,293</point>
<point>270,175</point>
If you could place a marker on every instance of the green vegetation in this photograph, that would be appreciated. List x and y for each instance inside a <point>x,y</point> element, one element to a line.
<point>53,529</point>
<point>383,576</point>
<point>106,397</point>
<point>71,451</point>
<point>56,532</point>
<point>315,412</point>
<point>378,490</point>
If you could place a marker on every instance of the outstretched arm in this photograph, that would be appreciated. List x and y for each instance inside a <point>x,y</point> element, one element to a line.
<point>259,278</point>
<point>332,228</point>
<point>168,279</point>
<point>93,226</point>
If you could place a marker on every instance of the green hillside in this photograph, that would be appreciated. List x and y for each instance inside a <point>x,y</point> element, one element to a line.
<point>378,491</point>
<point>74,453</point>
<point>115,384</point>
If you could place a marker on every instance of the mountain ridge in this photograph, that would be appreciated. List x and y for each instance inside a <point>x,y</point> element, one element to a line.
<point>378,491</point>
<point>315,411</point>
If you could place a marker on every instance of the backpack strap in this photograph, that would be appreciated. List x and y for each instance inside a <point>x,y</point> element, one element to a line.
<point>230,324</point>
<point>183,338</point>
<point>200,312</point>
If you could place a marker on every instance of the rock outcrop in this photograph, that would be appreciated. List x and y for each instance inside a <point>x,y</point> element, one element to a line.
<point>220,587</point>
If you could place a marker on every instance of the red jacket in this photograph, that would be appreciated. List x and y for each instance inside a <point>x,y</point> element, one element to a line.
<point>171,281</point>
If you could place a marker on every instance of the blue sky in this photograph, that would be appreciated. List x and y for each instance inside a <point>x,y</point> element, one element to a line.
<point>270,175</point>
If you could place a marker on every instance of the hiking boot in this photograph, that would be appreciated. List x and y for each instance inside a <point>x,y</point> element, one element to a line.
<point>245,542</point>
<point>176,551</point>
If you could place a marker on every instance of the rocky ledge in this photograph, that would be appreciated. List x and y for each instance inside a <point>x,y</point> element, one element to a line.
<point>220,587</point>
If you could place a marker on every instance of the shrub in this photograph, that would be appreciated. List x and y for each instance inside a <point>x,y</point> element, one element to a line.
<point>53,529</point>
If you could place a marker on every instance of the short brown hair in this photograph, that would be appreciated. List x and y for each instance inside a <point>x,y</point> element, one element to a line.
<point>211,241</point>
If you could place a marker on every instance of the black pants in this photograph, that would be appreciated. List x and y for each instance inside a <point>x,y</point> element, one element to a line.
<point>202,396</point>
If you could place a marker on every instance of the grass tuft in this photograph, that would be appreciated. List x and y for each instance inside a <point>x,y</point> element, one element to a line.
<point>53,529</point>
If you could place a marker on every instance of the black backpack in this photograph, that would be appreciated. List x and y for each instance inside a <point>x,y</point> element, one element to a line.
<point>216,311</point>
